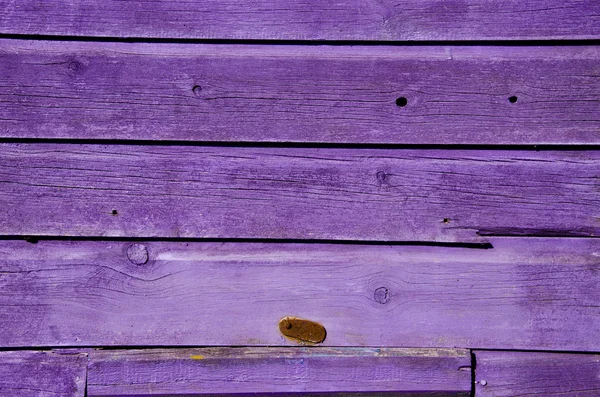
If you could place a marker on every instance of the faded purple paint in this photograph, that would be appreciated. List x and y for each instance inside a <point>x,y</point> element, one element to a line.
<point>307,20</point>
<point>455,95</point>
<point>521,374</point>
<point>243,371</point>
<point>42,373</point>
<point>347,194</point>
<point>525,293</point>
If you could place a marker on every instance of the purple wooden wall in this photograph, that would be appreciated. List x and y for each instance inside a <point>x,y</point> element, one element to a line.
<point>385,20</point>
<point>299,198</point>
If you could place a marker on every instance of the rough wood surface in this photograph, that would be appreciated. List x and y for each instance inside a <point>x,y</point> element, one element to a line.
<point>454,95</point>
<point>525,293</point>
<point>42,373</point>
<point>520,374</point>
<point>297,193</point>
<point>306,20</point>
<point>243,371</point>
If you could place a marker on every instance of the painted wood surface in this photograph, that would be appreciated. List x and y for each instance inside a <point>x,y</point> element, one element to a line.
<point>244,371</point>
<point>42,373</point>
<point>296,193</point>
<point>525,293</point>
<point>454,95</point>
<point>516,374</point>
<point>306,20</point>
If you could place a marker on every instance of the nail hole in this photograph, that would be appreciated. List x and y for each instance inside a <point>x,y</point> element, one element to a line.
<point>196,90</point>
<point>288,326</point>
<point>446,220</point>
<point>402,101</point>
<point>513,99</point>
<point>115,212</point>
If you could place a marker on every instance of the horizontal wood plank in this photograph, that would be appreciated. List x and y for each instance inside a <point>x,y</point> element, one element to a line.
<point>525,293</point>
<point>520,374</point>
<point>296,193</point>
<point>42,373</point>
<point>272,371</point>
<point>323,94</point>
<point>307,20</point>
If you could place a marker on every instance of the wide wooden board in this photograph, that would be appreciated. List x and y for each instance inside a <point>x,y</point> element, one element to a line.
<point>287,372</point>
<point>323,94</point>
<point>42,373</point>
<point>525,293</point>
<point>306,20</point>
<point>296,193</point>
<point>522,374</point>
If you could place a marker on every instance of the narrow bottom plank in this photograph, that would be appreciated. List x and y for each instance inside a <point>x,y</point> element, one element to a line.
<point>536,374</point>
<point>242,371</point>
<point>42,374</point>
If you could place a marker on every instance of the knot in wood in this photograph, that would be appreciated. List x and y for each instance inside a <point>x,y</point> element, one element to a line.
<point>381,295</point>
<point>137,254</point>
<point>76,67</point>
<point>382,177</point>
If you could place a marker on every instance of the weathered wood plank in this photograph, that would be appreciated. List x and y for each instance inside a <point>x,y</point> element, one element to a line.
<point>297,193</point>
<point>307,20</point>
<point>515,374</point>
<point>42,373</point>
<point>525,293</point>
<point>289,371</point>
<point>455,95</point>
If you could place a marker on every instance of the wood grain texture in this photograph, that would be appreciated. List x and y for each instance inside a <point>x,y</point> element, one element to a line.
<point>517,374</point>
<point>268,371</point>
<point>296,193</point>
<point>42,373</point>
<point>525,293</point>
<point>455,95</point>
<point>307,20</point>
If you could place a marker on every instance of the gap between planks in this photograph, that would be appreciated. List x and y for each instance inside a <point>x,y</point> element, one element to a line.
<point>334,43</point>
<point>412,20</point>
<point>308,145</point>
<point>34,239</point>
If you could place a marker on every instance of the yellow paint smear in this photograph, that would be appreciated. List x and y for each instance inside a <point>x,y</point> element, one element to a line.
<point>197,357</point>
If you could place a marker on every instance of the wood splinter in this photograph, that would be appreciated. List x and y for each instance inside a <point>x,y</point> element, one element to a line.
<point>302,330</point>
